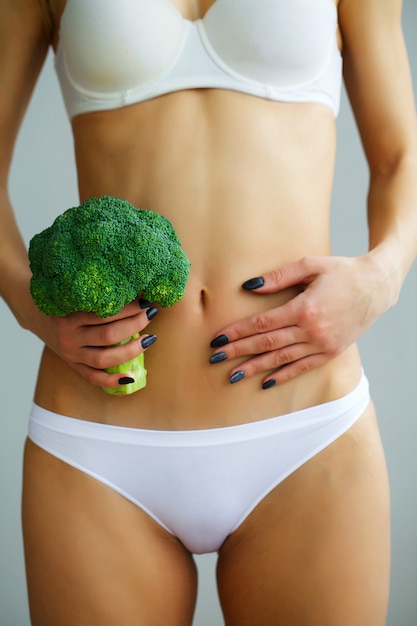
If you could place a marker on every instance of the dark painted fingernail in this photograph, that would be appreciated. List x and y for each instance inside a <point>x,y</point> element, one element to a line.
<point>269,383</point>
<point>150,313</point>
<point>218,357</point>
<point>219,341</point>
<point>148,341</point>
<point>253,283</point>
<point>237,376</point>
<point>126,380</point>
<point>144,304</point>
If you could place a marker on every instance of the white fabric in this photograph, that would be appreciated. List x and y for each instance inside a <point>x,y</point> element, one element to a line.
<point>112,54</point>
<point>198,484</point>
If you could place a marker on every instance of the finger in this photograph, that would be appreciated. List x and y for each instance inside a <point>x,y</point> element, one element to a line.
<point>106,357</point>
<point>101,360</point>
<point>272,361</point>
<point>297,273</point>
<point>294,369</point>
<point>129,310</point>
<point>285,316</point>
<point>258,344</point>
<point>118,330</point>
<point>101,378</point>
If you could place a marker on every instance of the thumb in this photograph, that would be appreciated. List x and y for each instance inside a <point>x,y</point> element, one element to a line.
<point>291,275</point>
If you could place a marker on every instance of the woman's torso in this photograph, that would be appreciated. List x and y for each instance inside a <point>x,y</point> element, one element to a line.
<point>247,184</point>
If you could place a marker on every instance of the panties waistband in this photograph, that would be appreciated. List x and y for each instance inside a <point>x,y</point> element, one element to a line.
<point>355,402</point>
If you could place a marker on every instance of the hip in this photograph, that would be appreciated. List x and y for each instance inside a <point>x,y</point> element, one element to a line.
<point>184,392</point>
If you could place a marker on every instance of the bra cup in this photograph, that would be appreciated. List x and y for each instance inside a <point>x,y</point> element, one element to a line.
<point>113,53</point>
<point>282,43</point>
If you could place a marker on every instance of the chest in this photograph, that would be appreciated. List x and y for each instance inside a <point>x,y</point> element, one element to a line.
<point>191,10</point>
<point>139,49</point>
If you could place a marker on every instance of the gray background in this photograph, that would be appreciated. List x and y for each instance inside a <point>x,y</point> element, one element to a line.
<point>43,184</point>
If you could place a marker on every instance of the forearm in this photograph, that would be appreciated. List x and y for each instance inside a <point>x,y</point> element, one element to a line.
<point>392,218</point>
<point>14,268</point>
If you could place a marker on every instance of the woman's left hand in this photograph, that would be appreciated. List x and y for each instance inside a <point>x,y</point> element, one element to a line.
<point>340,298</point>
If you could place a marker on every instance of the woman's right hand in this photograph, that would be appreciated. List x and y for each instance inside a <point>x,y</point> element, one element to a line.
<point>88,343</point>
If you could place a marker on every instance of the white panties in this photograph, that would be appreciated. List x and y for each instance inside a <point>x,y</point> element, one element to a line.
<point>198,484</point>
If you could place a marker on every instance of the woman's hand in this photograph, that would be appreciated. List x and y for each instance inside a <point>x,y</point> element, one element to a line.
<point>339,299</point>
<point>82,340</point>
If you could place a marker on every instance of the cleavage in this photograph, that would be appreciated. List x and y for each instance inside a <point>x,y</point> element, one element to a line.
<point>192,10</point>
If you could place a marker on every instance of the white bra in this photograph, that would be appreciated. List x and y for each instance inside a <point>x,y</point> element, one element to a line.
<point>113,53</point>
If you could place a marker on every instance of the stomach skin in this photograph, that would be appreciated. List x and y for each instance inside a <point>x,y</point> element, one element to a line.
<point>247,184</point>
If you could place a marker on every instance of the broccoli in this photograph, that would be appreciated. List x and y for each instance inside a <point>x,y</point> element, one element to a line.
<point>100,256</point>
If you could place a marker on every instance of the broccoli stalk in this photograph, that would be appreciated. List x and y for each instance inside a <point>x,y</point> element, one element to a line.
<point>135,368</point>
<point>100,256</point>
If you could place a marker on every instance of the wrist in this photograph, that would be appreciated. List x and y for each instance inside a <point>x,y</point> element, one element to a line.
<point>22,305</point>
<point>386,274</point>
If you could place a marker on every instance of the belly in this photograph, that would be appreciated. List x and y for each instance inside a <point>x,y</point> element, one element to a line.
<point>246,195</point>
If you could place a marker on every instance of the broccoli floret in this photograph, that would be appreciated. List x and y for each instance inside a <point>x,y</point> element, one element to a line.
<point>99,256</point>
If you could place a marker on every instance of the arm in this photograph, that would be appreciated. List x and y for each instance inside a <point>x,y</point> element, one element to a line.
<point>379,85</point>
<point>25,35</point>
<point>315,326</point>
<point>21,58</point>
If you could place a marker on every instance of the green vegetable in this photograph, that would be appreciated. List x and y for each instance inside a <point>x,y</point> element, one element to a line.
<point>100,256</point>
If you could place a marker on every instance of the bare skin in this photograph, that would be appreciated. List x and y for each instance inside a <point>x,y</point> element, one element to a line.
<point>308,536</point>
<point>315,552</point>
<point>247,184</point>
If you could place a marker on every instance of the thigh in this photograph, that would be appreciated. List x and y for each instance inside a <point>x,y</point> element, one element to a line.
<point>92,557</point>
<point>316,550</point>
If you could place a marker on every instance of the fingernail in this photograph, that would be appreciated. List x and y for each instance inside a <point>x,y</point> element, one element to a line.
<point>219,341</point>
<point>218,357</point>
<point>237,376</point>
<point>126,380</point>
<point>148,341</point>
<point>144,304</point>
<point>269,383</point>
<point>150,313</point>
<point>253,283</point>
